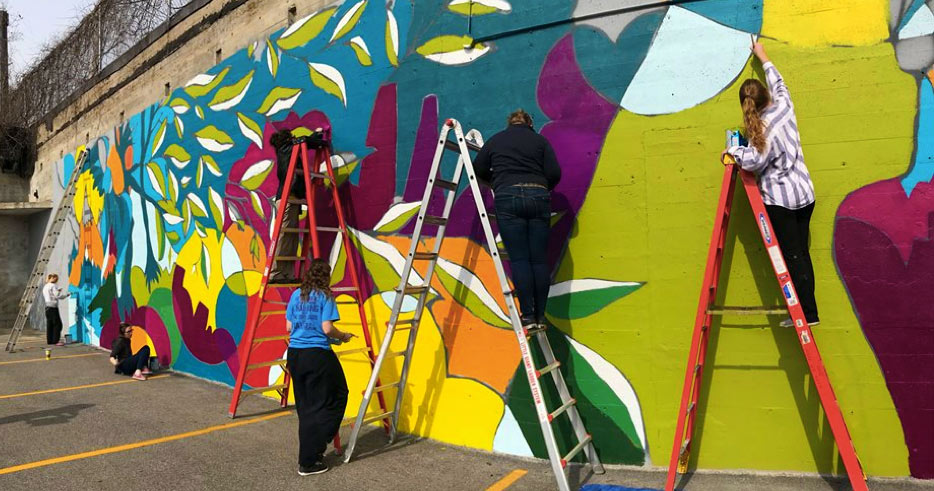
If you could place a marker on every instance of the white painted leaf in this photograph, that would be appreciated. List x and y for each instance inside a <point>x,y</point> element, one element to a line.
<point>172,219</point>
<point>397,216</point>
<point>389,253</point>
<point>256,174</point>
<point>392,38</point>
<point>475,285</point>
<point>217,207</point>
<point>198,208</point>
<point>250,129</point>
<point>452,50</point>
<point>349,20</point>
<point>328,79</point>
<point>211,165</point>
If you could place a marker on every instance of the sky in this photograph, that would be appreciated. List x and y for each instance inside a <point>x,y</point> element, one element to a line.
<point>34,22</point>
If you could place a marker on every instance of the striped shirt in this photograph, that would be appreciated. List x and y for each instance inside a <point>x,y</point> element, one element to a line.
<point>784,180</point>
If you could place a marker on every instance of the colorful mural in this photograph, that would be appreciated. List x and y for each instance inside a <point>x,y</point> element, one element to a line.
<point>175,215</point>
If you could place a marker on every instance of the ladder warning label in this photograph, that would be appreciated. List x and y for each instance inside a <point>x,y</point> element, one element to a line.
<point>764,225</point>
<point>775,254</point>
<point>789,292</point>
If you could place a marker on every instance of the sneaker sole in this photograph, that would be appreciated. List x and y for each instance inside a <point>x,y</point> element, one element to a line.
<point>300,473</point>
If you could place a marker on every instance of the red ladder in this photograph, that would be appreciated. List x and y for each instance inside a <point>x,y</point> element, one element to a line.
<point>706,310</point>
<point>320,141</point>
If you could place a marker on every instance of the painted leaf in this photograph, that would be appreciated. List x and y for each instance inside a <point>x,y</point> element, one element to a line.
<point>199,112</point>
<point>250,129</point>
<point>361,50</point>
<point>179,127</point>
<point>231,95</point>
<point>392,38</point>
<point>178,155</point>
<point>214,139</point>
<point>156,178</point>
<point>251,49</point>
<point>205,263</point>
<point>202,232</point>
<point>172,185</point>
<point>575,299</point>
<point>203,84</point>
<point>257,203</point>
<point>217,207</point>
<point>272,58</point>
<point>199,174</point>
<point>328,79</point>
<point>337,259</point>
<point>306,29</point>
<point>349,20</point>
<point>396,217</point>
<point>197,206</point>
<point>479,7</point>
<point>159,137</point>
<point>185,181</point>
<point>279,99</point>
<point>383,260</point>
<point>256,174</point>
<point>469,291</point>
<point>234,214</point>
<point>179,105</point>
<point>172,236</point>
<point>172,219</point>
<point>160,235</point>
<point>452,50</point>
<point>211,166</point>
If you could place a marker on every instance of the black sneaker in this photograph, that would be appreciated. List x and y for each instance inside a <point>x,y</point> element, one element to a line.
<point>318,468</point>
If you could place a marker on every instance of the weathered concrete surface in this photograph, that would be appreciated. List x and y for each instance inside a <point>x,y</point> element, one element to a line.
<point>14,264</point>
<point>254,456</point>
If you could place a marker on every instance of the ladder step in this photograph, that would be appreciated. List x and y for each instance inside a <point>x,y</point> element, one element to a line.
<point>425,256</point>
<point>266,364</point>
<point>284,337</point>
<point>366,420</point>
<point>434,220</point>
<point>564,407</point>
<point>259,390</point>
<point>289,284</point>
<point>410,290</point>
<point>690,407</point>
<point>344,289</point>
<point>574,451</point>
<point>352,351</point>
<point>297,201</point>
<point>450,185</point>
<point>502,253</point>
<point>288,258</point>
<point>272,312</point>
<point>293,230</point>
<point>381,388</point>
<point>547,368</point>
<point>729,310</point>
<point>393,354</point>
<point>452,145</point>
<point>538,329</point>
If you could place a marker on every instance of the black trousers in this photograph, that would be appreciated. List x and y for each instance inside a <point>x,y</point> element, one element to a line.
<point>792,229</point>
<point>53,325</point>
<point>320,399</point>
<point>133,363</point>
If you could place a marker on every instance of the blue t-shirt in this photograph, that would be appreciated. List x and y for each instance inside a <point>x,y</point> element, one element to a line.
<point>306,318</point>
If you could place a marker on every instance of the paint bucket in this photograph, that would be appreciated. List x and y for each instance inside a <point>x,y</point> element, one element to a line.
<point>48,354</point>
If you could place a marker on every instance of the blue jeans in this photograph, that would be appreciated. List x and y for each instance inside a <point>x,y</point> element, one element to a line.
<point>523,214</point>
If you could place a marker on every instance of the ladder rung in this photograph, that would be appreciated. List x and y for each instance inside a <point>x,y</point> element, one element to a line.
<point>393,354</point>
<point>352,351</point>
<point>272,312</point>
<point>729,310</point>
<point>386,387</point>
<point>564,407</point>
<point>684,447</point>
<point>441,183</point>
<point>298,201</point>
<point>425,256</point>
<point>293,230</point>
<point>284,337</point>
<point>503,254</point>
<point>342,289</point>
<point>291,284</point>
<point>266,364</point>
<point>435,220</point>
<point>366,420</point>
<point>574,451</point>
<point>452,145</point>
<point>288,258</point>
<point>547,368</point>
<point>409,290</point>
<point>329,229</point>
<point>690,407</point>
<point>259,390</point>
<point>538,329</point>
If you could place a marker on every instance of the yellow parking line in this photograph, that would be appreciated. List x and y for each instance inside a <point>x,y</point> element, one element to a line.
<point>505,482</point>
<point>144,443</point>
<point>64,389</point>
<point>43,358</point>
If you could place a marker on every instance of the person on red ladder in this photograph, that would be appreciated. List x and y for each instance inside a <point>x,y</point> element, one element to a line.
<point>282,142</point>
<point>774,154</point>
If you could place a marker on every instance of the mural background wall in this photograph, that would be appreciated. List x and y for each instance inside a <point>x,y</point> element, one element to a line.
<point>173,215</point>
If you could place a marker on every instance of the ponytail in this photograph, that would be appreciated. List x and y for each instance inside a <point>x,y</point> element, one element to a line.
<point>754,98</point>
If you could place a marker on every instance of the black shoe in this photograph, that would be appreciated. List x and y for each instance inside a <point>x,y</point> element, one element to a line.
<point>318,468</point>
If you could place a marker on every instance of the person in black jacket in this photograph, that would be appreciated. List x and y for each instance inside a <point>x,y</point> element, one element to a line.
<point>123,359</point>
<point>522,168</point>
<point>288,242</point>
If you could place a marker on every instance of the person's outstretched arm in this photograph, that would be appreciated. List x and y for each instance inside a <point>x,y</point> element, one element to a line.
<point>552,168</point>
<point>777,87</point>
<point>482,165</point>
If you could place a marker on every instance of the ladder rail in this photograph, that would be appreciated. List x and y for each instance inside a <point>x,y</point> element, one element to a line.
<point>47,246</point>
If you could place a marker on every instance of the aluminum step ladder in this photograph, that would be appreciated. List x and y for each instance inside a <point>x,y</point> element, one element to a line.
<point>706,310</point>
<point>462,146</point>
<point>37,277</point>
<point>317,173</point>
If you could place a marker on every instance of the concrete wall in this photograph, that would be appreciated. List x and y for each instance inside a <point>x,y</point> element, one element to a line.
<point>174,211</point>
<point>14,267</point>
<point>13,188</point>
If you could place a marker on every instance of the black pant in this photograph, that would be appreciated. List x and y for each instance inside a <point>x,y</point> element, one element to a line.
<point>523,215</point>
<point>131,364</point>
<point>53,325</point>
<point>792,229</point>
<point>320,399</point>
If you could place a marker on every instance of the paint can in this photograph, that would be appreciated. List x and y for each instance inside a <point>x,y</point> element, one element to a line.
<point>48,354</point>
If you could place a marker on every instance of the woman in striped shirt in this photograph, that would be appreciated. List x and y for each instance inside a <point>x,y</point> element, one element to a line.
<point>774,154</point>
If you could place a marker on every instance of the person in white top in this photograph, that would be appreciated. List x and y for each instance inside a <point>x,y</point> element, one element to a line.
<point>774,153</point>
<point>51,294</point>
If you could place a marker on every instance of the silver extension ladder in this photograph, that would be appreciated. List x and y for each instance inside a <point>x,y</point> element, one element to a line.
<point>65,207</point>
<point>558,462</point>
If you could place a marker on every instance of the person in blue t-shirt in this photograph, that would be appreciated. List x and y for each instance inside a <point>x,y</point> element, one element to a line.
<point>317,376</point>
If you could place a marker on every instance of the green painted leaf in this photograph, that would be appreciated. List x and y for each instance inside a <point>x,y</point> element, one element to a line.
<point>272,58</point>
<point>279,99</point>
<point>392,38</point>
<point>172,236</point>
<point>203,84</point>
<point>306,29</point>
<point>211,165</point>
<point>479,7</point>
<point>179,127</point>
<point>256,174</point>
<point>178,155</point>
<point>257,203</point>
<point>199,112</point>
<point>217,206</point>
<point>396,217</point>
<point>160,239</point>
<point>576,299</point>
<point>179,105</point>
<point>469,291</point>
<point>231,95</point>
<point>159,137</point>
<point>250,129</point>
<point>328,79</point>
<point>214,139</point>
<point>452,50</point>
<point>157,179</point>
<point>349,20</point>
<point>197,206</point>
<point>361,50</point>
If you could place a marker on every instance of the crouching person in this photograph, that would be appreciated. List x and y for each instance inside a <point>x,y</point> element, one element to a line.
<point>123,359</point>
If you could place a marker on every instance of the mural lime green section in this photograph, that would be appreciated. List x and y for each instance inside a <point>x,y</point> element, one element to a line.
<point>760,409</point>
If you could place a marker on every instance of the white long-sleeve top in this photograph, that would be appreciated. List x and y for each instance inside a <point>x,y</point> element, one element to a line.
<point>52,294</point>
<point>784,180</point>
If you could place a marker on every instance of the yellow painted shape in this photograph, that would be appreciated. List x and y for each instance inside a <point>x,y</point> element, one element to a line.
<point>141,444</point>
<point>826,22</point>
<point>189,258</point>
<point>86,192</point>
<point>76,387</point>
<point>648,217</point>
<point>140,338</point>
